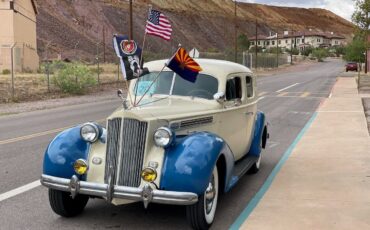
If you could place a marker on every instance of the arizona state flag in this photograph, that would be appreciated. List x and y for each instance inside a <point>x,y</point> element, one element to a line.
<point>182,64</point>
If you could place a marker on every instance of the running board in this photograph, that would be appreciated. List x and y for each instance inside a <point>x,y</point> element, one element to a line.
<point>243,165</point>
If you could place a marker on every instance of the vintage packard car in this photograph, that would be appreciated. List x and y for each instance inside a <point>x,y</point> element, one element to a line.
<point>181,143</point>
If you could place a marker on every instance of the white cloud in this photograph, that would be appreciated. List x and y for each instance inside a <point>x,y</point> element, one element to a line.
<point>343,8</point>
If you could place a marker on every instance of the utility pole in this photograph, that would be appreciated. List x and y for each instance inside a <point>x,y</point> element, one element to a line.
<point>236,32</point>
<point>277,49</point>
<point>97,60</point>
<point>256,47</point>
<point>104,60</point>
<point>366,40</point>
<point>131,35</point>
<point>291,48</point>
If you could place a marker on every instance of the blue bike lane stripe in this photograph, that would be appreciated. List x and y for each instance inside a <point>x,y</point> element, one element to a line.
<point>256,199</point>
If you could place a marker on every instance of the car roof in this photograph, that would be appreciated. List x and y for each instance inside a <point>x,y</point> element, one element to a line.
<point>213,67</point>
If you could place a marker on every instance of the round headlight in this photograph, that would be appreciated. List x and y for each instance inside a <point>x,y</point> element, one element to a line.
<point>163,137</point>
<point>90,132</point>
<point>80,166</point>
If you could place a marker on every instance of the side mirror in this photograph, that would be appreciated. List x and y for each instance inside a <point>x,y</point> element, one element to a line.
<point>219,97</point>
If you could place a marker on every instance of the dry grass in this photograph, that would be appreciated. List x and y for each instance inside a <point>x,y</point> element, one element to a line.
<point>35,86</point>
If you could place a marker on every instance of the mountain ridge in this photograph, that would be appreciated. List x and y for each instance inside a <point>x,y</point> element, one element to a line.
<point>73,28</point>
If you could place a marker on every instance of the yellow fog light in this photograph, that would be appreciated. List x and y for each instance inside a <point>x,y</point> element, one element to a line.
<point>80,166</point>
<point>149,174</point>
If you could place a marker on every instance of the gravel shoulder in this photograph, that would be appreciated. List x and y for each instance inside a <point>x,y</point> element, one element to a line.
<point>14,108</point>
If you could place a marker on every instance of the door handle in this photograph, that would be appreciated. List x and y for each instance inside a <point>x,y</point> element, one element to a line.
<point>249,113</point>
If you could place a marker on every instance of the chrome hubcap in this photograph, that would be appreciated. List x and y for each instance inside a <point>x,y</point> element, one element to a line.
<point>210,195</point>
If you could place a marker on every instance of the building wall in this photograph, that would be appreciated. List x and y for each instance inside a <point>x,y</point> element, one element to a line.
<point>19,28</point>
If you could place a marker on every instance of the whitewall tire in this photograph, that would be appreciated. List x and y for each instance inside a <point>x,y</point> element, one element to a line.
<point>201,214</point>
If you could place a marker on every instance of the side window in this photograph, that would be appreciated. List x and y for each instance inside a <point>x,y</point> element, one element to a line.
<point>249,86</point>
<point>233,89</point>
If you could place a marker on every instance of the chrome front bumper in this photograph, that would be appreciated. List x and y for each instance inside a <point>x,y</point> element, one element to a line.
<point>145,194</point>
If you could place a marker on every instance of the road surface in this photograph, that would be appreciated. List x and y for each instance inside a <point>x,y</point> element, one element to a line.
<point>288,99</point>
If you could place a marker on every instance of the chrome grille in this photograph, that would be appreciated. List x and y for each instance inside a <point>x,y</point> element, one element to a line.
<point>113,140</point>
<point>125,151</point>
<point>133,146</point>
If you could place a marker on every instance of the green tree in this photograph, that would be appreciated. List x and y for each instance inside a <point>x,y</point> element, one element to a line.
<point>355,51</point>
<point>320,54</point>
<point>360,16</point>
<point>243,42</point>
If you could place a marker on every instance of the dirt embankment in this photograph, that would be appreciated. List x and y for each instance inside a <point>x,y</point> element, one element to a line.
<point>75,27</point>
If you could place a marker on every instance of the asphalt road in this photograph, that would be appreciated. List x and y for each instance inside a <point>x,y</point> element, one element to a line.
<point>288,99</point>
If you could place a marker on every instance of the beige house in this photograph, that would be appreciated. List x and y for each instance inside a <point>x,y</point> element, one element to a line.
<point>299,40</point>
<point>18,29</point>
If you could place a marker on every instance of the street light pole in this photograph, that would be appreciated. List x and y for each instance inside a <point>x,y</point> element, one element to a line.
<point>277,49</point>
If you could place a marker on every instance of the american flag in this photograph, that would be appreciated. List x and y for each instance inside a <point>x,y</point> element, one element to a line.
<point>158,25</point>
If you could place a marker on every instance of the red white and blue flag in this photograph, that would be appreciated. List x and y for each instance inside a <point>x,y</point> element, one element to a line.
<point>158,25</point>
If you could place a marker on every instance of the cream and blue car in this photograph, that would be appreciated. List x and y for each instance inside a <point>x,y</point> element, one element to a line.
<point>181,143</point>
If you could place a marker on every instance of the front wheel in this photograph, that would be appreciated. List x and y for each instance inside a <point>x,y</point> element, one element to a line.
<point>201,214</point>
<point>64,205</point>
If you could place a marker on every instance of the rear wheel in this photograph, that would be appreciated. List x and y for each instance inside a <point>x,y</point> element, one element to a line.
<point>64,205</point>
<point>202,214</point>
<point>256,166</point>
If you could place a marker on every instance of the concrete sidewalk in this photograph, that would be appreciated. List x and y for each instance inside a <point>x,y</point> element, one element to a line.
<point>325,183</point>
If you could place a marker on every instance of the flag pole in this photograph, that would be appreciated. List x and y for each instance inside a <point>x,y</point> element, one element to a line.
<point>147,90</point>
<point>142,51</point>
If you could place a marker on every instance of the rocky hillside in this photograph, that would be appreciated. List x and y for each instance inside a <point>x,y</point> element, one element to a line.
<point>74,27</point>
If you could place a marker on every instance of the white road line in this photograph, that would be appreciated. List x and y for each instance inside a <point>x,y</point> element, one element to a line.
<point>260,98</point>
<point>19,190</point>
<point>288,87</point>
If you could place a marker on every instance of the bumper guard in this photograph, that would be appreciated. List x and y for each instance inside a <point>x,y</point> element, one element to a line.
<point>145,194</point>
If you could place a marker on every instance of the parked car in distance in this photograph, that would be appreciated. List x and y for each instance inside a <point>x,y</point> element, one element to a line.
<point>181,143</point>
<point>351,66</point>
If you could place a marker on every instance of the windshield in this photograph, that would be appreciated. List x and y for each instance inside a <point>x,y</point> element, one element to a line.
<point>204,87</point>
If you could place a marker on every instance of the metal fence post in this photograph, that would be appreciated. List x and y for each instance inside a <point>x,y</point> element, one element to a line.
<point>12,67</point>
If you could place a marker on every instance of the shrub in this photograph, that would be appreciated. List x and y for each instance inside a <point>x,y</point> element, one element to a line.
<point>6,71</point>
<point>74,78</point>
<point>320,54</point>
<point>307,51</point>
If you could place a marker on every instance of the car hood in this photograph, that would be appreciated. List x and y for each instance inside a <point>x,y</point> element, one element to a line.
<point>168,108</point>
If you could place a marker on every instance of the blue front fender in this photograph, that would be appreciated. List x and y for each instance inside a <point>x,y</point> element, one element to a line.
<point>63,151</point>
<point>188,164</point>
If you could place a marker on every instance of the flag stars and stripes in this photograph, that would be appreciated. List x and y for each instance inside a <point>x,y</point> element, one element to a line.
<point>158,25</point>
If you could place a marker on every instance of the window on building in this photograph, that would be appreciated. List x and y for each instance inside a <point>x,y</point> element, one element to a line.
<point>286,41</point>
<point>302,40</point>
<point>252,43</point>
<point>298,41</point>
<point>273,43</point>
<point>259,43</point>
<point>279,42</point>
<point>249,87</point>
<point>318,40</point>
<point>233,89</point>
<point>268,43</point>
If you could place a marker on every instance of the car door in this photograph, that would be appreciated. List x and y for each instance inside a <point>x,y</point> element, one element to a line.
<point>235,118</point>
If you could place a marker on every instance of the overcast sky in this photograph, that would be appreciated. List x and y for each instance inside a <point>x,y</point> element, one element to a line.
<point>343,8</point>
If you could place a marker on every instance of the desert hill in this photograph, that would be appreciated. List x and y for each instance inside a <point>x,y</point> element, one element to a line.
<point>74,27</point>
